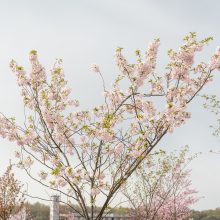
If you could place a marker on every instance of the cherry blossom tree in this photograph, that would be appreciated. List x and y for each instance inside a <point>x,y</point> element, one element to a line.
<point>87,155</point>
<point>160,189</point>
<point>11,197</point>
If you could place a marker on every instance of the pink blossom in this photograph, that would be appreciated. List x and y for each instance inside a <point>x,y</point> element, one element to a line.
<point>95,68</point>
<point>43,175</point>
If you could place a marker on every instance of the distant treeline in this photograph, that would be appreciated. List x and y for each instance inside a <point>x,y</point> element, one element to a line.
<point>40,211</point>
<point>206,215</point>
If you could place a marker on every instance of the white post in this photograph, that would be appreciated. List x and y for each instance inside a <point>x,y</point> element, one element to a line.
<point>54,208</point>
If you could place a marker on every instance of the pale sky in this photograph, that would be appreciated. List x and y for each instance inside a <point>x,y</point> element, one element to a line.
<point>88,31</point>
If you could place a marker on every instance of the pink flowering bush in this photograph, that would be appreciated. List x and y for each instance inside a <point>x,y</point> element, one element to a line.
<point>87,155</point>
<point>23,214</point>
<point>160,189</point>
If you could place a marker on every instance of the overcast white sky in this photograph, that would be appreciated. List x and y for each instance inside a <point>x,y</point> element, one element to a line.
<point>87,31</point>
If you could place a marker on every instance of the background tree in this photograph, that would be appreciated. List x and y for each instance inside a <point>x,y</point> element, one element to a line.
<point>11,198</point>
<point>206,214</point>
<point>212,103</point>
<point>160,189</point>
<point>87,155</point>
